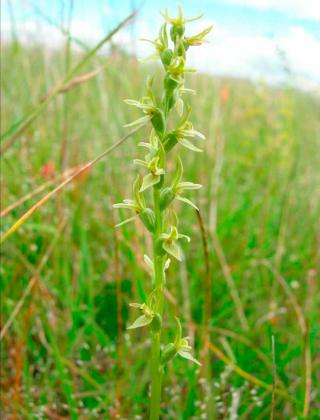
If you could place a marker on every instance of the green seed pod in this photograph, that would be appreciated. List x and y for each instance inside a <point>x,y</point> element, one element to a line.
<point>159,248</point>
<point>168,353</point>
<point>177,31</point>
<point>166,56</point>
<point>171,100</point>
<point>158,121</point>
<point>181,51</point>
<point>170,141</point>
<point>166,197</point>
<point>156,323</point>
<point>148,219</point>
<point>169,84</point>
<point>159,185</point>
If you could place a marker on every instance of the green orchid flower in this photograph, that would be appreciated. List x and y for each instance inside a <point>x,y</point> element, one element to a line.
<point>179,347</point>
<point>144,319</point>
<point>137,204</point>
<point>161,45</point>
<point>177,69</point>
<point>152,113</point>
<point>180,19</point>
<point>176,189</point>
<point>196,40</point>
<point>150,315</point>
<point>169,242</point>
<point>181,134</point>
<point>179,186</point>
<point>154,162</point>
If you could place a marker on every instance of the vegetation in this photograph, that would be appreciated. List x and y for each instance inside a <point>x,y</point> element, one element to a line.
<point>246,291</point>
<point>162,220</point>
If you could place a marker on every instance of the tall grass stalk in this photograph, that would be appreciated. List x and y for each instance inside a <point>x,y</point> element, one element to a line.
<point>160,218</point>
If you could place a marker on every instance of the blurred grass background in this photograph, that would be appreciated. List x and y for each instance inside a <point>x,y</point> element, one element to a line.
<point>68,275</point>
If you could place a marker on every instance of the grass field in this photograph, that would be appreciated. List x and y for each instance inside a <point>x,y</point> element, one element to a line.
<point>250,277</point>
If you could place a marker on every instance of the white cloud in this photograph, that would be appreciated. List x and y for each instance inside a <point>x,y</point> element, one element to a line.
<point>88,30</point>
<point>31,31</point>
<point>302,51</point>
<point>309,9</point>
<point>258,56</point>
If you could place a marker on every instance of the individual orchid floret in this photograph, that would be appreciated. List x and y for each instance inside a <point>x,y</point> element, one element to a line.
<point>150,315</point>
<point>180,19</point>
<point>168,194</point>
<point>196,40</point>
<point>178,24</point>
<point>154,176</point>
<point>181,133</point>
<point>154,162</point>
<point>152,146</point>
<point>146,106</point>
<point>179,347</point>
<point>137,204</point>
<point>169,242</point>
<point>161,42</point>
<point>186,186</point>
<point>144,319</point>
<point>182,345</point>
<point>161,45</point>
<point>177,70</point>
<point>179,186</point>
<point>152,113</point>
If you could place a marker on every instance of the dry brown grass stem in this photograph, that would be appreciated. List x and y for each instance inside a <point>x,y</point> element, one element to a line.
<point>75,82</point>
<point>59,187</point>
<point>37,191</point>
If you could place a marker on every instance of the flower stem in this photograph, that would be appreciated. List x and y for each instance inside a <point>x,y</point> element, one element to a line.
<point>155,378</point>
<point>156,374</point>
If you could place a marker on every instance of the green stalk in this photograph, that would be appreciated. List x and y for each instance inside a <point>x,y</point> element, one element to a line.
<point>155,378</point>
<point>156,374</point>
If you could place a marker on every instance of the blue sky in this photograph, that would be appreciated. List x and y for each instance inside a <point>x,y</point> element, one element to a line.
<point>245,41</point>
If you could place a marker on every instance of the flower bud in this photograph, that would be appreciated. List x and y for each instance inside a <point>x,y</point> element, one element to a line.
<point>177,31</point>
<point>148,219</point>
<point>170,141</point>
<point>158,122</point>
<point>168,353</point>
<point>166,56</point>
<point>166,197</point>
<point>156,323</point>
